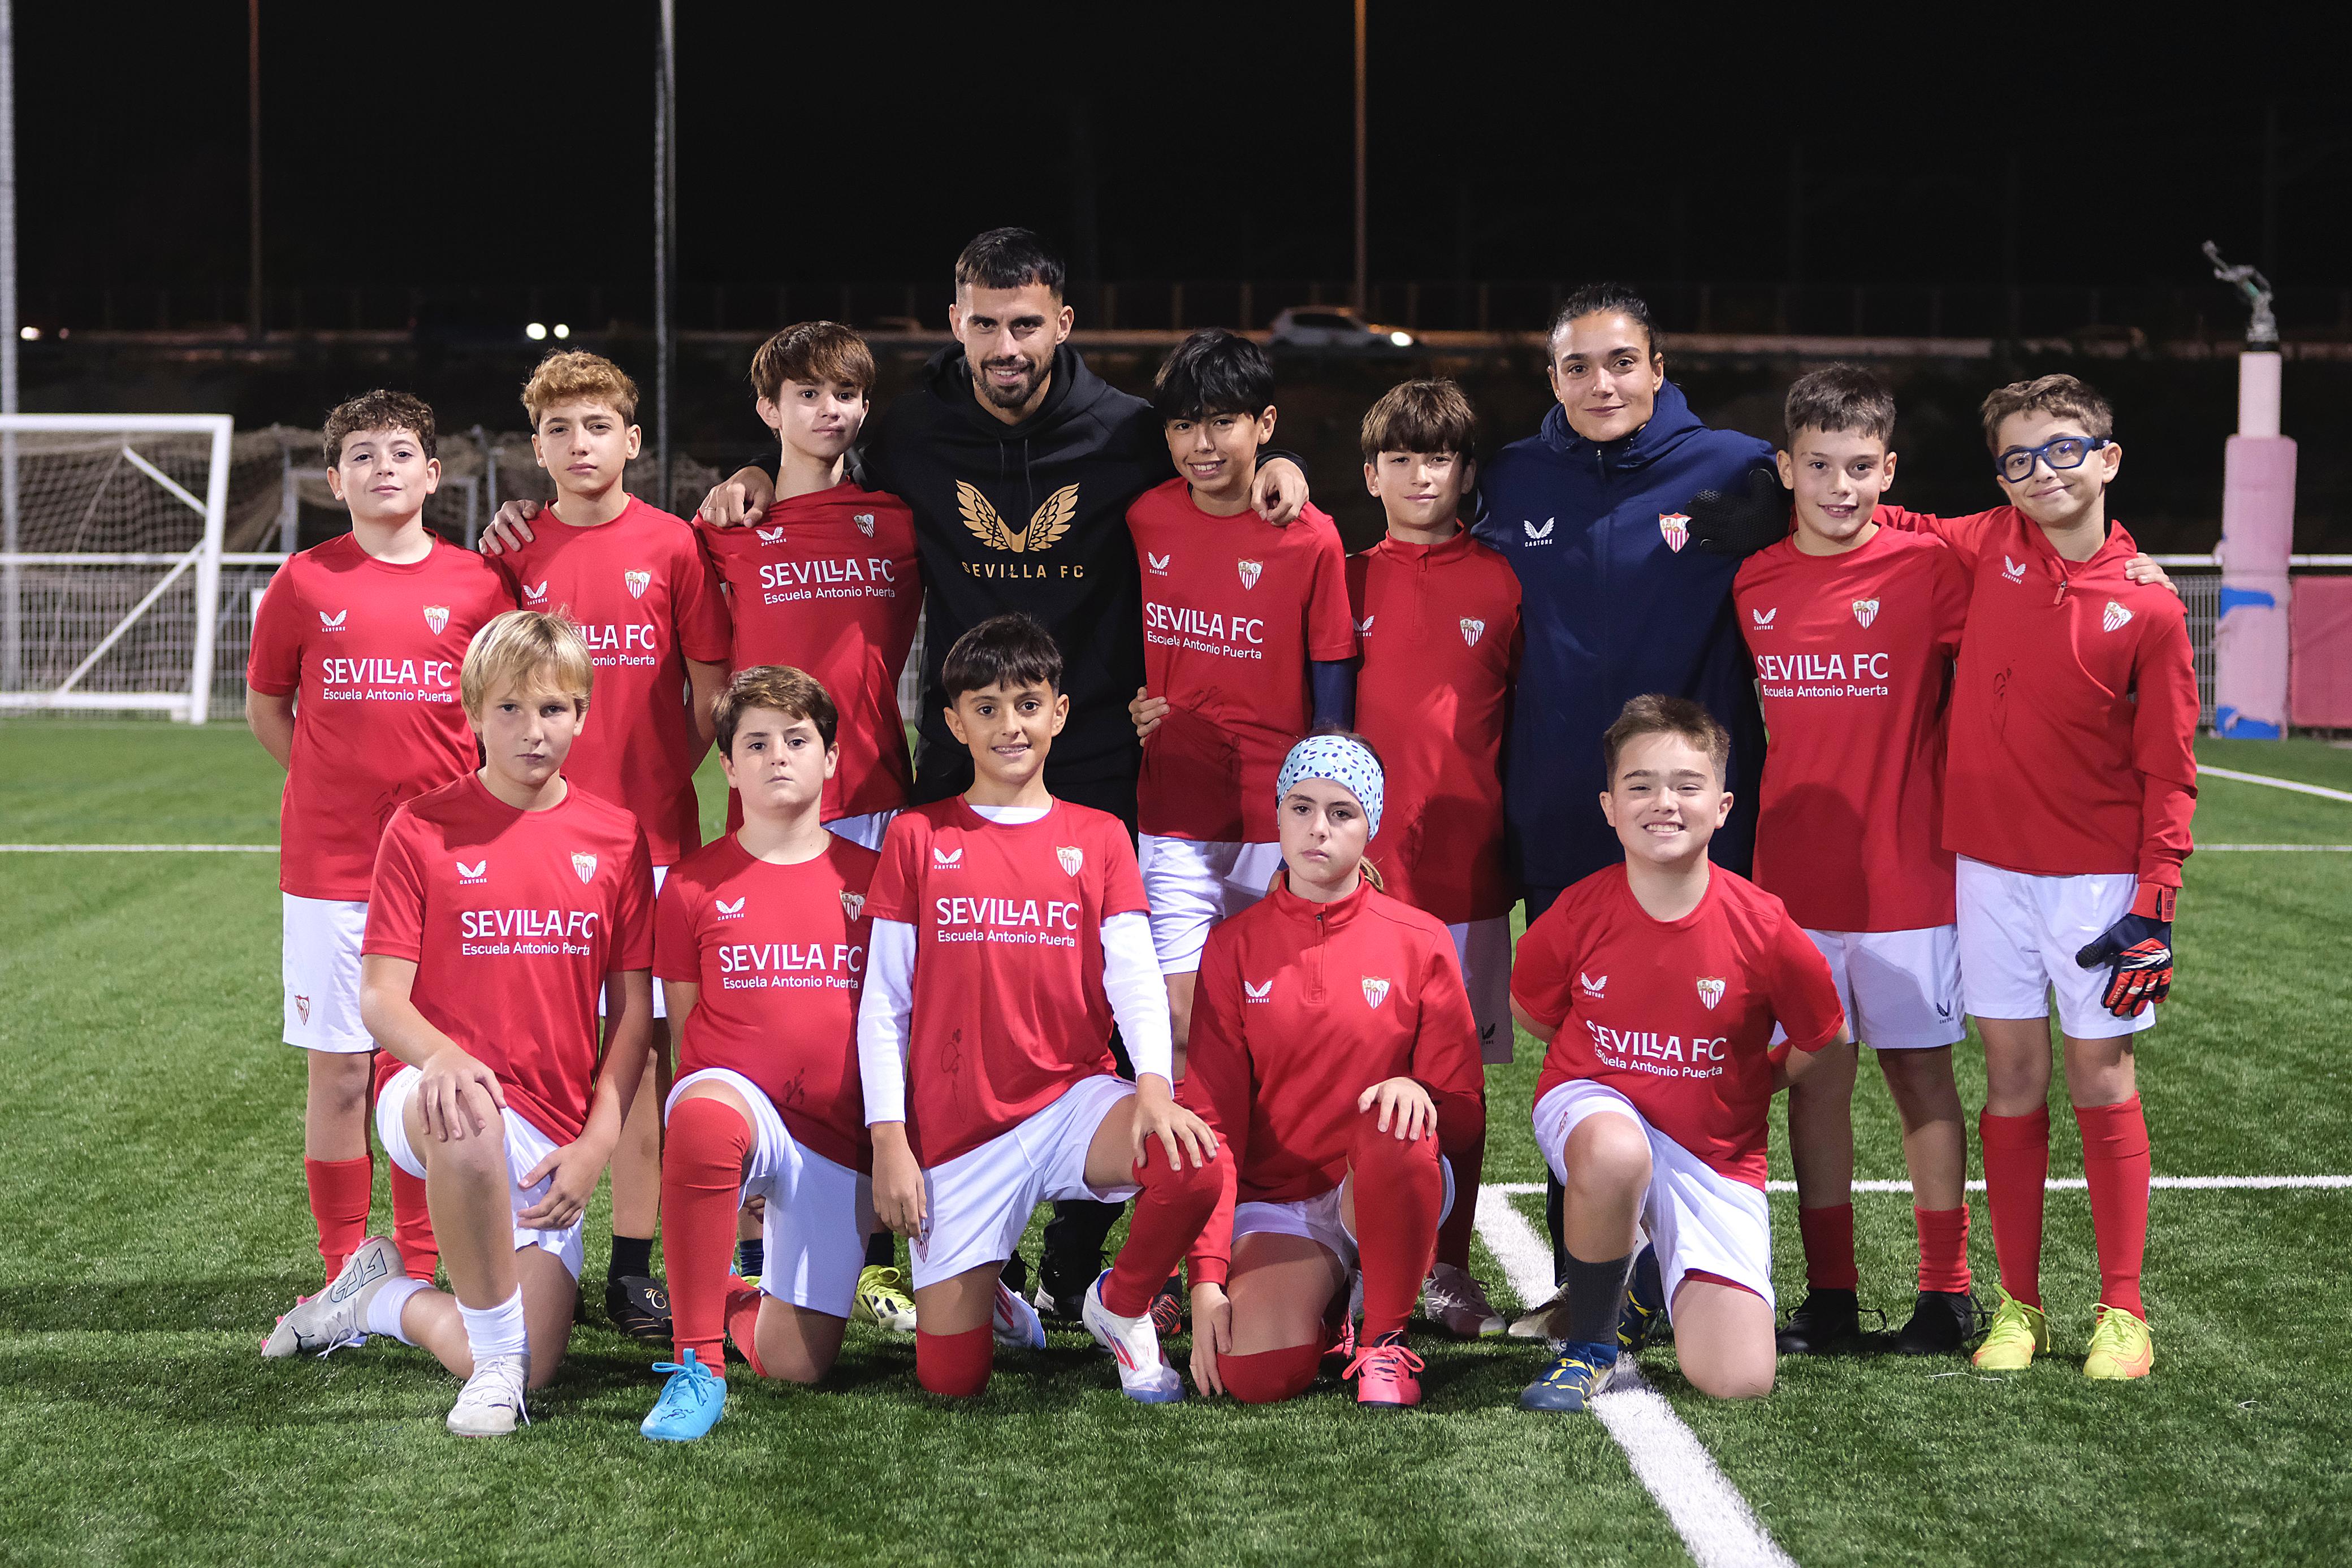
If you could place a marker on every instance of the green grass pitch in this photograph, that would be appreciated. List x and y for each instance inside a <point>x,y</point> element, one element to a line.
<point>154,1223</point>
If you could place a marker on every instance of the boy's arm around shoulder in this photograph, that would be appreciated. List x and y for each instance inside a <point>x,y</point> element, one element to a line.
<point>2164,743</point>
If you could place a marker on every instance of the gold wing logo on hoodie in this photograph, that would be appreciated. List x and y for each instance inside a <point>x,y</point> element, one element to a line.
<point>1046,524</point>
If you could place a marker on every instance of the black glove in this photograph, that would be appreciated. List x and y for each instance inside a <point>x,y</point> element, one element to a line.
<point>2139,948</point>
<point>1743,524</point>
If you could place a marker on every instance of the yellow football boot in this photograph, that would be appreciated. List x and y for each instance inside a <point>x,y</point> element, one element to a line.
<point>2121,1346</point>
<point>2017,1334</point>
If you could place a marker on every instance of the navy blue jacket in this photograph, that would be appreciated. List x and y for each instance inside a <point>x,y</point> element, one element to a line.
<point>1612,609</point>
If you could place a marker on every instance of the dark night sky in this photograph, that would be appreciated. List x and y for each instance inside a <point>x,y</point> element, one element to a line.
<point>501,143</point>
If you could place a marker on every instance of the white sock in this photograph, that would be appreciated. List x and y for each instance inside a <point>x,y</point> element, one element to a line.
<point>383,1311</point>
<point>496,1330</point>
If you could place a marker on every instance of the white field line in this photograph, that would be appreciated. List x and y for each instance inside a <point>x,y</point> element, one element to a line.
<point>1715,1521</point>
<point>2054,1184</point>
<point>2324,794</point>
<point>2277,848</point>
<point>138,849</point>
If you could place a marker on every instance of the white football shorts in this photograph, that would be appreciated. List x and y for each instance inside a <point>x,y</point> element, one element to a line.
<point>1193,884</point>
<point>2019,935</point>
<point>1485,949</point>
<point>1698,1218</point>
<point>320,962</point>
<point>1321,1219</point>
<point>661,1002</point>
<point>1900,990</point>
<point>866,831</point>
<point>818,1213</point>
<point>977,1205</point>
<point>526,1146</point>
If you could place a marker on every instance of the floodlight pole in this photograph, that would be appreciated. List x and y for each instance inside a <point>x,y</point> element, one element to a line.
<point>1363,290</point>
<point>664,240</point>
<point>2251,646</point>
<point>12,598</point>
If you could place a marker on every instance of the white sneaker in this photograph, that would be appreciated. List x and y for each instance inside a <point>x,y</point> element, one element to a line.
<point>1144,1375</point>
<point>1451,1298</point>
<point>337,1316</point>
<point>492,1398</point>
<point>1016,1322</point>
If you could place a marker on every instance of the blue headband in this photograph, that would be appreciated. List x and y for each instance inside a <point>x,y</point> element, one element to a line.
<point>1345,762</point>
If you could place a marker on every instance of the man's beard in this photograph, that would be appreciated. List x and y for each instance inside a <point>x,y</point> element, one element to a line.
<point>1021,392</point>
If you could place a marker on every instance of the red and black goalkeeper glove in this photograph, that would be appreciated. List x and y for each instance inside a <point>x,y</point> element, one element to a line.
<point>2138,947</point>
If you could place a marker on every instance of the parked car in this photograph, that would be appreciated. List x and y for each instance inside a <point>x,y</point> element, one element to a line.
<point>1334,327</point>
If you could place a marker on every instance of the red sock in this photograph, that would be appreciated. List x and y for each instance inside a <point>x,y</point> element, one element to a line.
<point>1828,1246</point>
<point>702,1189</point>
<point>1464,1148</point>
<point>2016,1166</point>
<point>1270,1376</point>
<point>1943,1248</point>
<point>412,1227</point>
<point>743,1323</point>
<point>340,1190</point>
<point>2116,1167</point>
<point>956,1365</point>
<point>1167,1218</point>
<point>1398,1190</point>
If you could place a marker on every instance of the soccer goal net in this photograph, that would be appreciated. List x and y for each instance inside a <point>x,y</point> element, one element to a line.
<point>110,559</point>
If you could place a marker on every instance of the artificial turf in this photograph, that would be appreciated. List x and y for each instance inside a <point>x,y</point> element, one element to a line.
<point>155,1223</point>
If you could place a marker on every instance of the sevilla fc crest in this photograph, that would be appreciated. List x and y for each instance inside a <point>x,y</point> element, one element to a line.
<point>1675,527</point>
<point>1251,570</point>
<point>437,616</point>
<point>853,904</point>
<point>638,583</point>
<point>2115,616</point>
<point>585,864</point>
<point>1710,991</point>
<point>1866,611</point>
<point>303,1005</point>
<point>1376,990</point>
<point>1071,856</point>
<point>865,521</point>
<point>1472,630</point>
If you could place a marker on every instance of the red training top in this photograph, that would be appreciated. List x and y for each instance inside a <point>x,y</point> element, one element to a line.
<point>829,584</point>
<point>1440,627</point>
<point>1010,1009</point>
<point>645,601</point>
<point>1233,609</point>
<point>1853,656</point>
<point>1676,1015</point>
<point>370,650</point>
<point>513,919</point>
<point>780,954</point>
<point>2074,714</point>
<point>1302,1006</point>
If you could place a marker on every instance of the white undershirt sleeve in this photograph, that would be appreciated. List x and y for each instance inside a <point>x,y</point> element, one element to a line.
<point>884,1014</point>
<point>1139,996</point>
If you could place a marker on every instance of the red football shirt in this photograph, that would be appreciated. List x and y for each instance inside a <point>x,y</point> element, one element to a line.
<point>1853,656</point>
<point>1010,1009</point>
<point>2074,712</point>
<point>370,650</point>
<point>1234,610</point>
<point>780,954</point>
<point>1676,1015</point>
<point>1301,1007</point>
<point>513,919</point>
<point>829,584</point>
<point>1440,634</point>
<point>645,602</point>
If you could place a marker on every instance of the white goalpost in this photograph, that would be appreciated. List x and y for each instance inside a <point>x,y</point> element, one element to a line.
<point>110,559</point>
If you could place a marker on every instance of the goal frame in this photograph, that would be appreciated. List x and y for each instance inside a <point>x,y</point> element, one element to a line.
<point>204,560</point>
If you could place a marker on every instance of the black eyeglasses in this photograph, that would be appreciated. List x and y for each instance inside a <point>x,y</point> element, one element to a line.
<point>2016,464</point>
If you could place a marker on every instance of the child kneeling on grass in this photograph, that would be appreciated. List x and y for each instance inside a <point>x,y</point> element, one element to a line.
<point>1657,985</point>
<point>500,902</point>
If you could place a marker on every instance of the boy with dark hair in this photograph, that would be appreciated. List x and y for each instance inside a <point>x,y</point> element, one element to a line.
<point>2071,782</point>
<point>502,904</point>
<point>1246,643</point>
<point>632,579</point>
<point>1438,615</point>
<point>1657,985</point>
<point>1009,932</point>
<point>762,936</point>
<point>1854,628</point>
<point>353,689</point>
